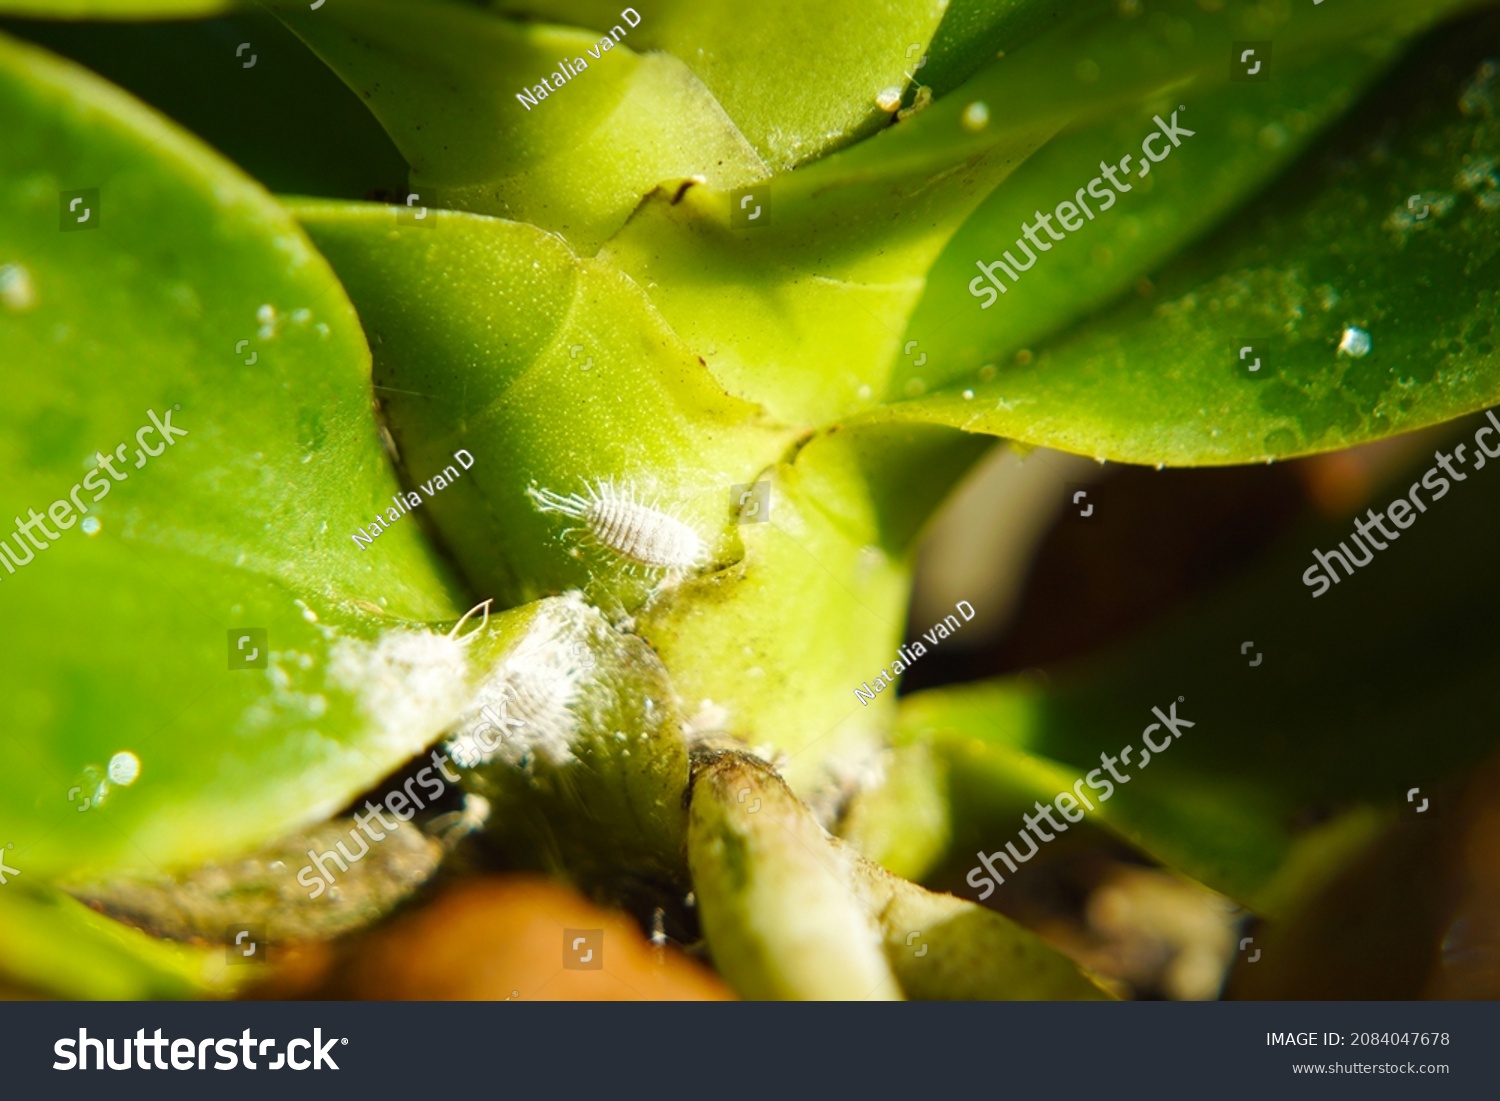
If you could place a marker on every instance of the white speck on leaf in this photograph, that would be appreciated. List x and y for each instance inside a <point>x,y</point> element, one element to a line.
<point>1355,343</point>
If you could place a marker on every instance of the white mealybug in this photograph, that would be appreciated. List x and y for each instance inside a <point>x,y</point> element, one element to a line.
<point>528,706</point>
<point>616,521</point>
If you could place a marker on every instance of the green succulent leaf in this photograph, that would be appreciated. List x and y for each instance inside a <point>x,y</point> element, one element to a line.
<point>555,374</point>
<point>54,944</point>
<point>115,9</point>
<point>946,948</point>
<point>775,645</point>
<point>1241,135</point>
<point>1274,749</point>
<point>777,896</point>
<point>901,822</point>
<point>447,83</point>
<point>247,86</point>
<point>759,67</point>
<point>974,32</point>
<point>1099,58</point>
<point>1368,276</point>
<point>183,295</point>
<point>790,912</point>
<point>803,312</point>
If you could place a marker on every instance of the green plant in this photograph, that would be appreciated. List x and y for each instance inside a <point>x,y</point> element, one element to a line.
<point>579,309</point>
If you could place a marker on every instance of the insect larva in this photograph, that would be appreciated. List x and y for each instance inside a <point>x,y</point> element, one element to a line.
<point>615,520</point>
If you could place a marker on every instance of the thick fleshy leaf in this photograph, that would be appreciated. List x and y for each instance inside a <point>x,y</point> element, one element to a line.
<point>53,945</point>
<point>448,82</point>
<point>115,9</point>
<point>901,821</point>
<point>143,283</point>
<point>1094,59</point>
<point>775,893</point>
<point>566,378</point>
<point>247,86</point>
<point>974,32</point>
<point>776,645</point>
<point>1303,706</point>
<point>761,68</point>
<point>281,887</point>
<point>949,949</point>
<point>1238,137</point>
<point>803,312</point>
<point>556,375</point>
<point>1364,284</point>
<point>790,912</point>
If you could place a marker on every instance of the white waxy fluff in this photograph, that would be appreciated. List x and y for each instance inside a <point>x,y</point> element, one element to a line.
<point>616,521</point>
<point>531,695</point>
<point>405,683</point>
